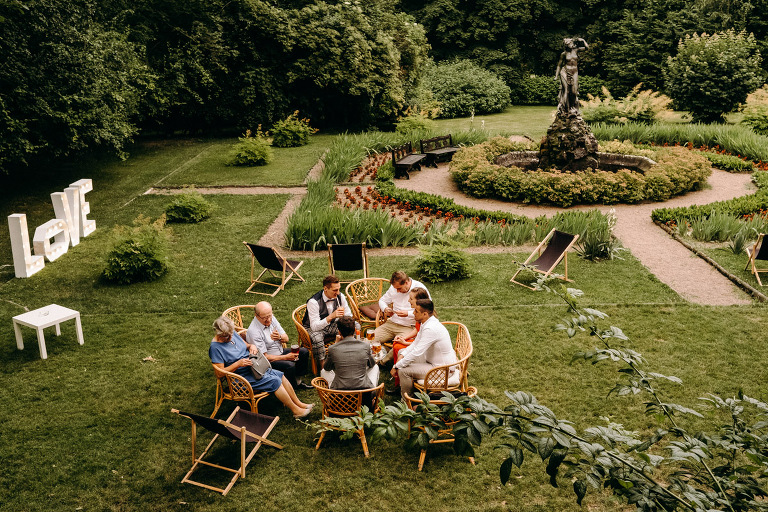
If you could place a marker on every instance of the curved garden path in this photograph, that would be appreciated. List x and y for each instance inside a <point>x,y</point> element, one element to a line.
<point>688,275</point>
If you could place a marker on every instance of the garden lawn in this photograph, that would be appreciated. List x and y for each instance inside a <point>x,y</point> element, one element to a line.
<point>735,263</point>
<point>524,120</point>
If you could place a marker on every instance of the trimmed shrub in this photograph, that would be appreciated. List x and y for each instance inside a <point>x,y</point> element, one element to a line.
<point>440,263</point>
<point>542,90</point>
<point>139,253</point>
<point>677,170</point>
<point>462,88</point>
<point>729,163</point>
<point>414,122</point>
<point>252,150</point>
<point>188,207</point>
<point>756,111</point>
<point>291,132</point>
<point>639,106</point>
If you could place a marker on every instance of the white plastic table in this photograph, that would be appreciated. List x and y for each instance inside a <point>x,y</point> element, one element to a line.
<point>47,316</point>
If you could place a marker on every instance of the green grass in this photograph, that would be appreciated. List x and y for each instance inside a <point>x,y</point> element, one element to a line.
<point>530,121</point>
<point>734,263</point>
<point>90,427</point>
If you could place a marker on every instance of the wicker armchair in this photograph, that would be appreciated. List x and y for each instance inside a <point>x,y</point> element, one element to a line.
<point>444,435</point>
<point>241,316</point>
<point>343,403</point>
<point>363,296</point>
<point>450,377</point>
<point>304,339</point>
<point>231,386</point>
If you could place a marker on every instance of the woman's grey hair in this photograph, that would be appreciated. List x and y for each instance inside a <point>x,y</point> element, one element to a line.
<point>224,325</point>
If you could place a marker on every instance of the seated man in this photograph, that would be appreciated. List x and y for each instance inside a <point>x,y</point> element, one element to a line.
<point>397,308</point>
<point>323,311</point>
<point>432,347</point>
<point>350,363</point>
<point>268,335</point>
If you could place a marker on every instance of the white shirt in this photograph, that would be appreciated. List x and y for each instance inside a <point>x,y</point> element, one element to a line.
<point>313,310</point>
<point>432,346</point>
<point>260,335</point>
<point>400,302</point>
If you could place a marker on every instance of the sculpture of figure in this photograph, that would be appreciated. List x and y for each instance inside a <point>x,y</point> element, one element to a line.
<point>568,73</point>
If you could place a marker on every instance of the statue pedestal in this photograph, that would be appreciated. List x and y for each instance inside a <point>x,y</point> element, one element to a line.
<point>569,144</point>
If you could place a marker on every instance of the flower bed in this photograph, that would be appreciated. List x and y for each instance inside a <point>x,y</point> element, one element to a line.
<point>676,171</point>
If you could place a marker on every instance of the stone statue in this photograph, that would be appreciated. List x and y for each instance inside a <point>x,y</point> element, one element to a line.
<point>568,74</point>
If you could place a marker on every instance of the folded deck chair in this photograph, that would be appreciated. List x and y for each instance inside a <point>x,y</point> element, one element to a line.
<point>759,251</point>
<point>557,244</point>
<point>243,426</point>
<point>273,262</point>
<point>348,257</point>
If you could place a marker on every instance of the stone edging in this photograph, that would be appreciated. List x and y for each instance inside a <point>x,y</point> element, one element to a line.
<point>736,280</point>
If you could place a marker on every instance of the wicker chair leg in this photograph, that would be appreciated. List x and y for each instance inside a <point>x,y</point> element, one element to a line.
<point>421,458</point>
<point>322,435</point>
<point>216,407</point>
<point>361,433</point>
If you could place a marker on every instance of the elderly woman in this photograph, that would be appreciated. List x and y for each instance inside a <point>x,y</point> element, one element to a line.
<point>230,353</point>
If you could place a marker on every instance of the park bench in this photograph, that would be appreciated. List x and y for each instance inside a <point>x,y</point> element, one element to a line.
<point>438,149</point>
<point>405,160</point>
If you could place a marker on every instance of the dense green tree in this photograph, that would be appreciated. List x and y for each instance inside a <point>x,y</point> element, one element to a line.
<point>67,84</point>
<point>712,74</point>
<point>463,88</point>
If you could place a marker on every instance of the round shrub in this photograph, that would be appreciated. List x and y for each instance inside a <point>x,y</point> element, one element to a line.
<point>439,263</point>
<point>414,122</point>
<point>188,207</point>
<point>677,170</point>
<point>252,150</point>
<point>463,88</point>
<point>291,132</point>
<point>139,253</point>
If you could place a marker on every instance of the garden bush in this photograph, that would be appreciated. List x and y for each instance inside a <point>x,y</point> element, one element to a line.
<point>756,111</point>
<point>438,263</point>
<point>638,106</point>
<point>139,253</point>
<point>462,88</point>
<point>729,163</point>
<point>291,132</point>
<point>414,122</point>
<point>712,74</point>
<point>188,207</point>
<point>677,170</point>
<point>543,89</point>
<point>252,150</point>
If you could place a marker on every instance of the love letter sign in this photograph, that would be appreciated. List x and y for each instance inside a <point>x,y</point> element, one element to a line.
<point>70,225</point>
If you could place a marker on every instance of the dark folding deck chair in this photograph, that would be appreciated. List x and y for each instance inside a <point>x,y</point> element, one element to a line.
<point>273,262</point>
<point>759,251</point>
<point>243,426</point>
<point>347,258</point>
<point>557,244</point>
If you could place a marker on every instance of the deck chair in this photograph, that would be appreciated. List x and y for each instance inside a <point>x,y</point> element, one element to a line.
<point>759,251</point>
<point>273,262</point>
<point>348,257</point>
<point>339,403</point>
<point>242,426</point>
<point>558,244</point>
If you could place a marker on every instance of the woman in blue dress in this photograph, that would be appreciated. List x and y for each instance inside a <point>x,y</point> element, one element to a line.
<point>230,353</point>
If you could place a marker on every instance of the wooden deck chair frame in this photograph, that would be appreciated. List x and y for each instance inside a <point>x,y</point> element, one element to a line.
<point>231,386</point>
<point>444,435</point>
<point>339,256</point>
<point>759,251</point>
<point>286,269</point>
<point>344,403</point>
<point>235,428</point>
<point>554,262</point>
<point>438,378</point>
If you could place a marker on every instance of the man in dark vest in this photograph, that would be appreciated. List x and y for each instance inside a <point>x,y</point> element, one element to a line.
<point>323,311</point>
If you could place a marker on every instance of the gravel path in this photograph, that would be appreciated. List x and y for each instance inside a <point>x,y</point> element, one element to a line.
<point>691,277</point>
